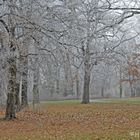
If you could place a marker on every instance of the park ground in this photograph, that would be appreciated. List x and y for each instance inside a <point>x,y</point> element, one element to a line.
<point>109,119</point>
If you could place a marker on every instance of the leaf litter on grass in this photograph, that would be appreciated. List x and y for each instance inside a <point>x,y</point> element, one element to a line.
<point>73,122</point>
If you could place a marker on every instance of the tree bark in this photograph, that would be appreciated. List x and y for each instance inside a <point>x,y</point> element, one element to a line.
<point>11,96</point>
<point>57,86</point>
<point>24,97</point>
<point>87,65</point>
<point>131,89</point>
<point>36,100</point>
<point>24,72</point>
<point>66,84</point>
<point>17,103</point>
<point>85,99</point>
<point>120,90</point>
<point>35,95</point>
<point>120,81</point>
<point>77,85</point>
<point>102,91</point>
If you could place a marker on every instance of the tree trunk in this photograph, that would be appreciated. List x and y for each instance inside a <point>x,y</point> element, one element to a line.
<point>35,95</point>
<point>85,99</point>
<point>17,103</point>
<point>77,85</point>
<point>102,91</point>
<point>36,100</point>
<point>24,63</point>
<point>66,85</point>
<point>120,90</point>
<point>57,86</point>
<point>131,89</point>
<point>52,89</point>
<point>11,96</point>
<point>65,91</point>
<point>24,97</point>
<point>120,82</point>
<point>87,66</point>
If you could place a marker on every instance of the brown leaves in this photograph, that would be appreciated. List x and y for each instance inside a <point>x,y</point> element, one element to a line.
<point>133,70</point>
<point>60,121</point>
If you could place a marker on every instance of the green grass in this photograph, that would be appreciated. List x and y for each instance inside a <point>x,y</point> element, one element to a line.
<point>135,100</point>
<point>61,102</point>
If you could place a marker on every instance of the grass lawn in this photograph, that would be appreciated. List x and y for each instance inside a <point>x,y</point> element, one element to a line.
<point>110,119</point>
<point>135,100</point>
